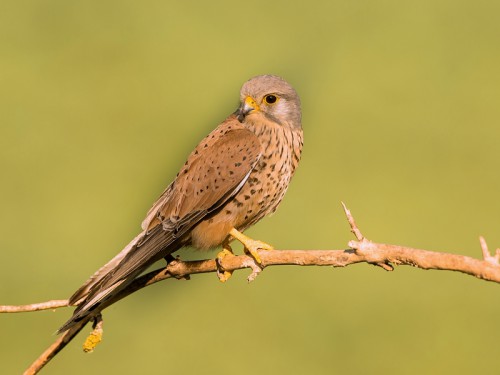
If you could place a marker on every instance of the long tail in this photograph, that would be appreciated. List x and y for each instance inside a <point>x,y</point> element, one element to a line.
<point>114,276</point>
<point>84,290</point>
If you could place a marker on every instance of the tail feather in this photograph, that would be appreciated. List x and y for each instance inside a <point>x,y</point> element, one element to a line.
<point>97,277</point>
<point>114,276</point>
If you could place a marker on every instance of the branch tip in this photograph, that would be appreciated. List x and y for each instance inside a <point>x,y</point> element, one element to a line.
<point>492,259</point>
<point>49,305</point>
<point>385,265</point>
<point>484,247</point>
<point>354,228</point>
<point>256,269</point>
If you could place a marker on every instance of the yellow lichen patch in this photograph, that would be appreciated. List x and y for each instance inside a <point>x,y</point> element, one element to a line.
<point>92,340</point>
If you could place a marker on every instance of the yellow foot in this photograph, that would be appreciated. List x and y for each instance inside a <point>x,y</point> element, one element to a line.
<point>222,274</point>
<point>251,246</point>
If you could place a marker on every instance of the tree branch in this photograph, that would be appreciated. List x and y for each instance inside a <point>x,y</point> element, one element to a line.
<point>55,348</point>
<point>361,251</point>
<point>54,304</point>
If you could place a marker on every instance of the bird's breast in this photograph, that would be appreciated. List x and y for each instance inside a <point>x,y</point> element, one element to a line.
<point>262,192</point>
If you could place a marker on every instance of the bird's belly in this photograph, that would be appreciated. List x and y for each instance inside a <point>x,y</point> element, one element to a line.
<point>250,205</point>
<point>211,232</point>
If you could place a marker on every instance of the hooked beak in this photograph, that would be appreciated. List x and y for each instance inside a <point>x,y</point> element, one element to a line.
<point>248,106</point>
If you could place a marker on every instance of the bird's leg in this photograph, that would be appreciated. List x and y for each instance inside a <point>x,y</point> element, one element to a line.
<point>250,245</point>
<point>222,274</point>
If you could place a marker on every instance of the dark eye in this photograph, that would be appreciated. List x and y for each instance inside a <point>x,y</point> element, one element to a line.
<point>270,99</point>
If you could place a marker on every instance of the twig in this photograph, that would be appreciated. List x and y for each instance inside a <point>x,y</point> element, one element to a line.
<point>95,336</point>
<point>362,240</point>
<point>55,348</point>
<point>352,223</point>
<point>361,250</point>
<point>493,259</point>
<point>54,304</point>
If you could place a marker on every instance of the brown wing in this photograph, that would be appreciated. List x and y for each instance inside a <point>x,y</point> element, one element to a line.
<point>214,172</point>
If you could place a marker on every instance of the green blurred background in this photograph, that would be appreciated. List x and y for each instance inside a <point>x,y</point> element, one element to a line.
<point>100,103</point>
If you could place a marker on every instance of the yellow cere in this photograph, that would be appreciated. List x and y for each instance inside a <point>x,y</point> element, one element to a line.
<point>249,101</point>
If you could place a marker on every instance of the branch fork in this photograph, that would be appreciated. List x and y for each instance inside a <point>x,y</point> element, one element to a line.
<point>364,247</point>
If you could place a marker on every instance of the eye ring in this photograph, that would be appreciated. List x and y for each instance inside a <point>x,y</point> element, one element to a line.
<point>270,99</point>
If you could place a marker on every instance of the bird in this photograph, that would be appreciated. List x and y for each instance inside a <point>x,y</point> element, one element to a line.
<point>234,177</point>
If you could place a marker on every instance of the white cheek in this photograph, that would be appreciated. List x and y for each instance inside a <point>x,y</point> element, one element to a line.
<point>281,109</point>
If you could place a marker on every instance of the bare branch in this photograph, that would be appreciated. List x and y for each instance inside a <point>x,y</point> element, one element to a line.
<point>55,348</point>
<point>428,260</point>
<point>352,223</point>
<point>361,251</point>
<point>357,233</point>
<point>54,304</point>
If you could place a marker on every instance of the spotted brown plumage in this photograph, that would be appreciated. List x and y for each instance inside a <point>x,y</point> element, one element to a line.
<point>236,175</point>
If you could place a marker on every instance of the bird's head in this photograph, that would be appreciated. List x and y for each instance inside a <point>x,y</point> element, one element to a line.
<point>270,97</point>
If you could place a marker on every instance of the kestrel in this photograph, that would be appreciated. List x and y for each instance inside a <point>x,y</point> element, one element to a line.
<point>235,176</point>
